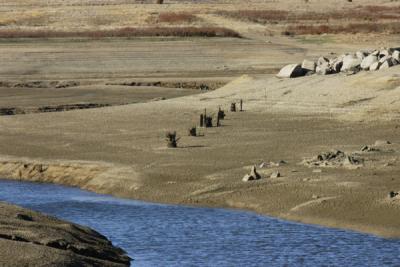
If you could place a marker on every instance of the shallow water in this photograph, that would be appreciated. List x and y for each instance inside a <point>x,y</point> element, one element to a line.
<point>167,235</point>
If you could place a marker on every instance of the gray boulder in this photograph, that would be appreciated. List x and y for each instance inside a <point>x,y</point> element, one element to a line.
<point>396,55</point>
<point>324,69</point>
<point>308,65</point>
<point>291,71</point>
<point>351,64</point>
<point>322,60</point>
<point>386,64</point>
<point>368,61</point>
<point>361,55</point>
<point>252,176</point>
<point>375,66</point>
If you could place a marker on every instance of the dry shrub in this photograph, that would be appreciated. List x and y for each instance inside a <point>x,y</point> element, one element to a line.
<point>125,32</point>
<point>173,18</point>
<point>365,13</point>
<point>391,28</point>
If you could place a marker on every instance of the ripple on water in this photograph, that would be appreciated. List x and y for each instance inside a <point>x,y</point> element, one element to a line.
<point>167,235</point>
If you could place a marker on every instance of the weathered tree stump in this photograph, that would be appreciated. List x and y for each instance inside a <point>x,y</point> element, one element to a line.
<point>221,114</point>
<point>208,122</point>
<point>233,107</point>
<point>193,131</point>
<point>172,140</point>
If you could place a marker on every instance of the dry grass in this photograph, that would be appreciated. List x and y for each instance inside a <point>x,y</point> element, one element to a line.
<point>359,13</point>
<point>175,17</point>
<point>125,32</point>
<point>391,28</point>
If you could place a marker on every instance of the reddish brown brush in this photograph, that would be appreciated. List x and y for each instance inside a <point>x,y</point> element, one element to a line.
<point>173,18</point>
<point>392,28</point>
<point>125,32</point>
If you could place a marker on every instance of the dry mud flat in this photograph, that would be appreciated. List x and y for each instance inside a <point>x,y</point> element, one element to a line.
<point>121,150</point>
<point>26,237</point>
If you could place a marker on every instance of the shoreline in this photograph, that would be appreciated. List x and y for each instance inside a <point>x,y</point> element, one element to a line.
<point>380,232</point>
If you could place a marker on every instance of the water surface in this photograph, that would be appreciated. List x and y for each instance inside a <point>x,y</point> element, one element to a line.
<point>168,235</point>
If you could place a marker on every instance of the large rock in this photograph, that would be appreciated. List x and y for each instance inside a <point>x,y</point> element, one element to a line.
<point>386,64</point>
<point>396,55</point>
<point>324,69</point>
<point>375,66</point>
<point>322,60</point>
<point>308,65</point>
<point>291,71</point>
<point>361,55</point>
<point>351,64</point>
<point>368,61</point>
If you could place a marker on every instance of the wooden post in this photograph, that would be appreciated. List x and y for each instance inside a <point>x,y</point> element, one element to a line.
<point>205,117</point>
<point>218,118</point>
<point>201,120</point>
<point>241,104</point>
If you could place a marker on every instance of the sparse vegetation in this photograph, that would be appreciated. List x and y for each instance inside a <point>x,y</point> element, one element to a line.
<point>392,28</point>
<point>125,32</point>
<point>176,18</point>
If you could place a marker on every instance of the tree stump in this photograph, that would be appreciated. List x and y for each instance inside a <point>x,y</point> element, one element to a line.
<point>221,114</point>
<point>233,107</point>
<point>208,122</point>
<point>172,140</point>
<point>193,131</point>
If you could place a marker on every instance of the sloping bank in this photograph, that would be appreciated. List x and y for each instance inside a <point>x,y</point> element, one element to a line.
<point>29,238</point>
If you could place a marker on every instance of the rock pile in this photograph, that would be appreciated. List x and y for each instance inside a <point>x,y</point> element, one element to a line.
<point>350,63</point>
<point>334,158</point>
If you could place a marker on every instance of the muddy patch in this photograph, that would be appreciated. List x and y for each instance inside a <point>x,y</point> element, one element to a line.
<point>55,108</point>
<point>193,85</point>
<point>39,84</point>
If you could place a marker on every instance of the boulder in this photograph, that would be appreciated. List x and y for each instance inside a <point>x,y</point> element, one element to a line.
<point>384,53</point>
<point>375,53</point>
<point>248,178</point>
<point>375,66</point>
<point>322,60</point>
<point>291,71</point>
<point>308,65</point>
<point>361,55</point>
<point>368,61</point>
<point>396,55</point>
<point>337,65</point>
<point>324,69</point>
<point>386,64</point>
<point>351,64</point>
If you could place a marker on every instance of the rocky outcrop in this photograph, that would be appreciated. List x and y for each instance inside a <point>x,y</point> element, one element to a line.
<point>349,63</point>
<point>29,238</point>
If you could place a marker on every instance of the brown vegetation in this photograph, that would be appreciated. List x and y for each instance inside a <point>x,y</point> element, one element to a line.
<point>391,28</point>
<point>175,17</point>
<point>363,13</point>
<point>125,32</point>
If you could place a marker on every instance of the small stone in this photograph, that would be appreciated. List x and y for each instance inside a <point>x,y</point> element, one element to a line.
<point>382,142</point>
<point>248,178</point>
<point>275,175</point>
<point>351,64</point>
<point>254,173</point>
<point>315,196</point>
<point>317,171</point>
